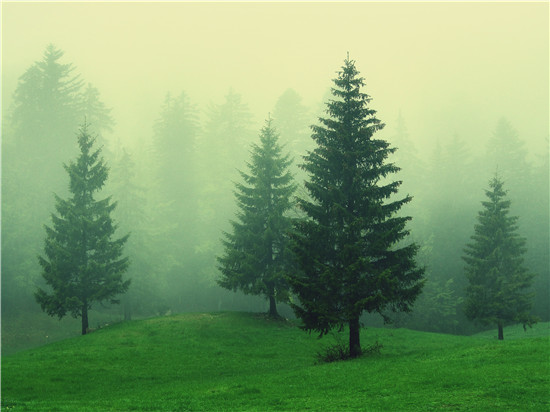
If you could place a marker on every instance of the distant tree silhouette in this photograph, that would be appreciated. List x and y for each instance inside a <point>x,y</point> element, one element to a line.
<point>257,257</point>
<point>498,280</point>
<point>48,104</point>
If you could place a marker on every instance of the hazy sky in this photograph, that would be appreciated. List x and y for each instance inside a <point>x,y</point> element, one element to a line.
<point>448,67</point>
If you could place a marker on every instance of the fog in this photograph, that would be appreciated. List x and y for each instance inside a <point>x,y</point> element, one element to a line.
<point>446,78</point>
<point>449,68</point>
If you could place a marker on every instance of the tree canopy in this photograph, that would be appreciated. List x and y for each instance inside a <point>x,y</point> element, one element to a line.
<point>83,264</point>
<point>349,246</point>
<point>257,255</point>
<point>497,292</point>
<point>48,104</point>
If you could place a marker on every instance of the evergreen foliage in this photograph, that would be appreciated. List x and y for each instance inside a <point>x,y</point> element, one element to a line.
<point>497,277</point>
<point>37,135</point>
<point>227,134</point>
<point>132,215</point>
<point>175,213</point>
<point>83,264</point>
<point>98,115</point>
<point>257,255</point>
<point>348,245</point>
<point>507,152</point>
<point>291,118</point>
<point>437,306</point>
<point>175,143</point>
<point>173,236</point>
<point>223,147</point>
<point>49,102</point>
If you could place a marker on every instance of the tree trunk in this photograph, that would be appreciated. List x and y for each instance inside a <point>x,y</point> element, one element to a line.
<point>84,318</point>
<point>500,331</point>
<point>273,307</point>
<point>354,340</point>
<point>127,310</point>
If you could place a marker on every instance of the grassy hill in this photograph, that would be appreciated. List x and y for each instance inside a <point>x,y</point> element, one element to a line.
<point>538,330</point>
<point>236,361</point>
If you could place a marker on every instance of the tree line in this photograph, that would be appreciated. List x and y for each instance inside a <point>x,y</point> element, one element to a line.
<point>332,249</point>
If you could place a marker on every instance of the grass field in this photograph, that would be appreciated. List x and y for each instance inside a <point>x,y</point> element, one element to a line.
<point>28,330</point>
<point>244,362</point>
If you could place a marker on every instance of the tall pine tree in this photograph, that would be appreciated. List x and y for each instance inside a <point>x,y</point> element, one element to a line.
<point>257,255</point>
<point>131,214</point>
<point>83,263</point>
<point>291,118</point>
<point>498,280</point>
<point>223,147</point>
<point>348,247</point>
<point>175,156</point>
<point>38,128</point>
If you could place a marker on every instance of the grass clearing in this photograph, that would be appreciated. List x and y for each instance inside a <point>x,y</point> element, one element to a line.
<point>236,361</point>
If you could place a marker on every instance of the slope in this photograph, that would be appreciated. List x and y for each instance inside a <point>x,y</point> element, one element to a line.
<point>236,361</point>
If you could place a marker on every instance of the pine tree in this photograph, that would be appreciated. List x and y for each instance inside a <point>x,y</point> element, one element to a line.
<point>131,214</point>
<point>175,155</point>
<point>506,151</point>
<point>537,225</point>
<point>46,108</point>
<point>175,198</point>
<point>498,280</point>
<point>98,116</point>
<point>223,147</point>
<point>175,139</point>
<point>227,135</point>
<point>450,213</point>
<point>83,263</point>
<point>291,119</point>
<point>37,136</point>
<point>257,255</point>
<point>348,247</point>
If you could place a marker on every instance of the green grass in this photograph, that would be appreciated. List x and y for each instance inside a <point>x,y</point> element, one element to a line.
<point>538,330</point>
<point>29,329</point>
<point>235,361</point>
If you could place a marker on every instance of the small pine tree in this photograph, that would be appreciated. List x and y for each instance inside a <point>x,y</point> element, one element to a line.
<point>256,257</point>
<point>498,280</point>
<point>83,264</point>
<point>348,245</point>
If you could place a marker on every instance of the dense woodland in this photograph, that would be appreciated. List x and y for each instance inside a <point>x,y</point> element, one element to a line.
<point>175,195</point>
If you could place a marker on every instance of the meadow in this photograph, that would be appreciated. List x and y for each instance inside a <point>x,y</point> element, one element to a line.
<point>247,362</point>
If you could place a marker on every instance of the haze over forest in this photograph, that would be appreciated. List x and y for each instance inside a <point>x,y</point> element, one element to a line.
<point>449,68</point>
<point>450,80</point>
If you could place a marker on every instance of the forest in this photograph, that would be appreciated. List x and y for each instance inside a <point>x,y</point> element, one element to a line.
<point>175,189</point>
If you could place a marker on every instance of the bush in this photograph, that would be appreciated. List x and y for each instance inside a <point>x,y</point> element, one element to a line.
<point>340,351</point>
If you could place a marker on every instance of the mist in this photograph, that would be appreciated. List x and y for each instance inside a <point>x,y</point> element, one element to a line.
<point>448,79</point>
<point>438,64</point>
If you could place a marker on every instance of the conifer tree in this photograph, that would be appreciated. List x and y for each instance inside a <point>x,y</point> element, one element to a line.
<point>45,108</point>
<point>291,118</point>
<point>498,280</point>
<point>37,136</point>
<point>132,216</point>
<point>257,256</point>
<point>175,138</point>
<point>506,151</point>
<point>175,212</point>
<point>223,147</point>
<point>98,117</point>
<point>83,264</point>
<point>348,246</point>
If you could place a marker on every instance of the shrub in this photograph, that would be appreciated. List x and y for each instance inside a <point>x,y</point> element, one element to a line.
<point>339,351</point>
